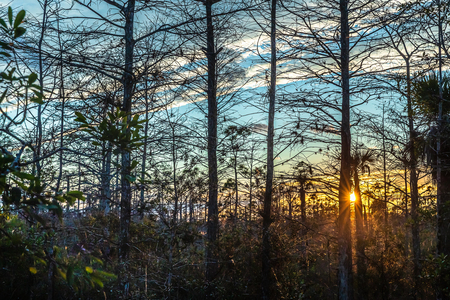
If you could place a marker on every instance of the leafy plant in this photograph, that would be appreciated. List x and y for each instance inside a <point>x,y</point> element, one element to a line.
<point>9,80</point>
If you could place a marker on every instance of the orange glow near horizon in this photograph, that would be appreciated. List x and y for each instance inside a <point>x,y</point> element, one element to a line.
<point>352,197</point>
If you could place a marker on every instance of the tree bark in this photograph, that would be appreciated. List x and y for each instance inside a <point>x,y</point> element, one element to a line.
<point>268,280</point>
<point>345,239</point>
<point>37,152</point>
<point>213,213</point>
<point>236,191</point>
<point>443,193</point>
<point>413,181</point>
<point>125,200</point>
<point>360,247</point>
<point>302,204</point>
<point>62,97</point>
<point>251,183</point>
<point>174,177</point>
<point>144,155</point>
<point>385,180</point>
<point>106,179</point>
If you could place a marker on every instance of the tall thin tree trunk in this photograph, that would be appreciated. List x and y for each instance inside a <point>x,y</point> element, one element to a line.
<point>443,206</point>
<point>41,83</point>
<point>440,229</point>
<point>385,179</point>
<point>251,187</point>
<point>302,204</point>
<point>79,181</point>
<point>181,208</point>
<point>304,230</point>
<point>116,188</point>
<point>213,212</point>
<point>413,181</point>
<point>191,209</point>
<point>126,194</point>
<point>345,276</point>
<point>174,177</point>
<point>41,90</point>
<point>62,96</point>
<point>406,212</point>
<point>236,191</point>
<point>268,280</point>
<point>106,179</point>
<point>144,155</point>
<point>360,248</point>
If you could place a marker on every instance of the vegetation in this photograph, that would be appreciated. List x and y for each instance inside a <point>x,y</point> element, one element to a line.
<point>225,150</point>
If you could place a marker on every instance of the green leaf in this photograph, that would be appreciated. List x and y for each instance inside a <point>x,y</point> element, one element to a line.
<point>4,45</point>
<point>37,100</point>
<point>76,194</point>
<point>23,175</point>
<point>97,260</point>
<point>3,95</point>
<point>32,78</point>
<point>62,274</point>
<point>40,260</point>
<point>33,270</point>
<point>37,218</point>
<point>134,163</point>
<point>10,16</point>
<point>16,195</point>
<point>130,178</point>
<point>69,275</point>
<point>89,270</point>
<point>3,23</point>
<point>97,281</point>
<point>20,184</point>
<point>80,118</point>
<point>19,18</point>
<point>105,274</point>
<point>19,31</point>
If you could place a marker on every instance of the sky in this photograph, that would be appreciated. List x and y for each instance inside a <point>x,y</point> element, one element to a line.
<point>254,66</point>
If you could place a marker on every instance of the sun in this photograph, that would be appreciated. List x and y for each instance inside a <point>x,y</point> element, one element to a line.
<point>352,197</point>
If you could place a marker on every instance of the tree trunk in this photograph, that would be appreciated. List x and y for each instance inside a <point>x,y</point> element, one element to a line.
<point>345,239</point>
<point>213,212</point>
<point>443,193</point>
<point>302,204</point>
<point>125,200</point>
<point>191,209</point>
<point>413,181</point>
<point>406,212</point>
<point>62,97</point>
<point>106,179</point>
<point>385,180</point>
<point>251,188</point>
<point>144,155</point>
<point>236,191</point>
<point>38,150</point>
<point>174,177</point>
<point>268,280</point>
<point>360,248</point>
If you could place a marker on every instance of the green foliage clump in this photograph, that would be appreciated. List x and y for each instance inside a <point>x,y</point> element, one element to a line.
<point>426,95</point>
<point>10,82</point>
<point>34,258</point>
